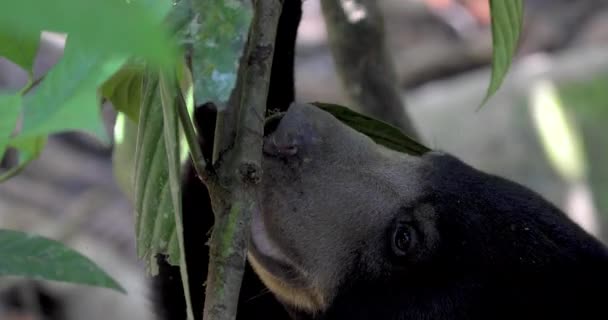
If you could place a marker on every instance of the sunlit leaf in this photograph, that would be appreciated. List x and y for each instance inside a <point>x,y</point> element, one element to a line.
<point>106,27</point>
<point>20,48</point>
<point>40,258</point>
<point>28,149</point>
<point>559,136</point>
<point>507,21</point>
<point>123,89</point>
<point>381,132</point>
<point>67,98</point>
<point>218,45</point>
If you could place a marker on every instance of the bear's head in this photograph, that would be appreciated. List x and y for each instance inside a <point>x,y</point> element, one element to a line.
<point>350,229</point>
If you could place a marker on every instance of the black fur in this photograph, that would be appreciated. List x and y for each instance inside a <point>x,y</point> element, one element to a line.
<point>20,298</point>
<point>504,253</point>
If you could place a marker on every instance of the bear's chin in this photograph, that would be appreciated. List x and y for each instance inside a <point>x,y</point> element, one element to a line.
<point>286,281</point>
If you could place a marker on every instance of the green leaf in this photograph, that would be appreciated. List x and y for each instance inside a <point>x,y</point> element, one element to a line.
<point>507,21</point>
<point>28,149</point>
<point>154,216</point>
<point>20,48</point>
<point>168,92</point>
<point>67,98</point>
<point>153,200</point>
<point>154,171</point>
<point>381,132</point>
<point>107,27</point>
<point>181,19</point>
<point>123,89</point>
<point>10,107</point>
<point>218,44</point>
<point>40,258</point>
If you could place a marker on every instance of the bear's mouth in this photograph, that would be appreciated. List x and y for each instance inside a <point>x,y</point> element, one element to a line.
<point>270,256</point>
<point>276,263</point>
<point>268,253</point>
<point>288,282</point>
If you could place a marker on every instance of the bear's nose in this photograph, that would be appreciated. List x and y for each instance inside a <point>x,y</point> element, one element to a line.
<point>278,142</point>
<point>294,134</point>
<point>275,146</point>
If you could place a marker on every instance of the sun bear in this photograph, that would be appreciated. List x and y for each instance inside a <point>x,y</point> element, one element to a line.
<point>352,230</point>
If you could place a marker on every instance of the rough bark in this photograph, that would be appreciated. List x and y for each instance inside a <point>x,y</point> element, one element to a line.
<point>235,196</point>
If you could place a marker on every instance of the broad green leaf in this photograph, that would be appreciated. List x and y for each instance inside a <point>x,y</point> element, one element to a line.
<point>123,89</point>
<point>10,108</point>
<point>154,214</point>
<point>28,149</point>
<point>125,141</point>
<point>67,98</point>
<point>381,132</point>
<point>168,85</point>
<point>154,217</point>
<point>20,48</point>
<point>155,169</point>
<point>107,27</point>
<point>507,20</point>
<point>40,258</point>
<point>218,45</point>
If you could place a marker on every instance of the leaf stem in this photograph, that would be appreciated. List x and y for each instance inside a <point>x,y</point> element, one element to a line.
<point>198,160</point>
<point>31,85</point>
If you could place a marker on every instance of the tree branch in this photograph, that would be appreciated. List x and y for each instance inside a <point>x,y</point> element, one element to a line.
<point>198,160</point>
<point>240,172</point>
<point>356,37</point>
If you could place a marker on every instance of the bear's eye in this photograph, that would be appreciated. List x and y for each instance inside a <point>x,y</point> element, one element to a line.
<point>402,240</point>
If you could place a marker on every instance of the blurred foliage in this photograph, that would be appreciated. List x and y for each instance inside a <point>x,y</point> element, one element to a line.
<point>117,27</point>
<point>217,47</point>
<point>124,90</point>
<point>102,35</point>
<point>587,102</point>
<point>559,135</point>
<point>33,256</point>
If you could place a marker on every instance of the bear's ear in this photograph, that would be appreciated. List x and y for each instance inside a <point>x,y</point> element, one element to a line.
<point>413,236</point>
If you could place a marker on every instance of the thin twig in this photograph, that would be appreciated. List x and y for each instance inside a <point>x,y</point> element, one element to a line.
<point>242,168</point>
<point>32,85</point>
<point>198,160</point>
<point>356,37</point>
